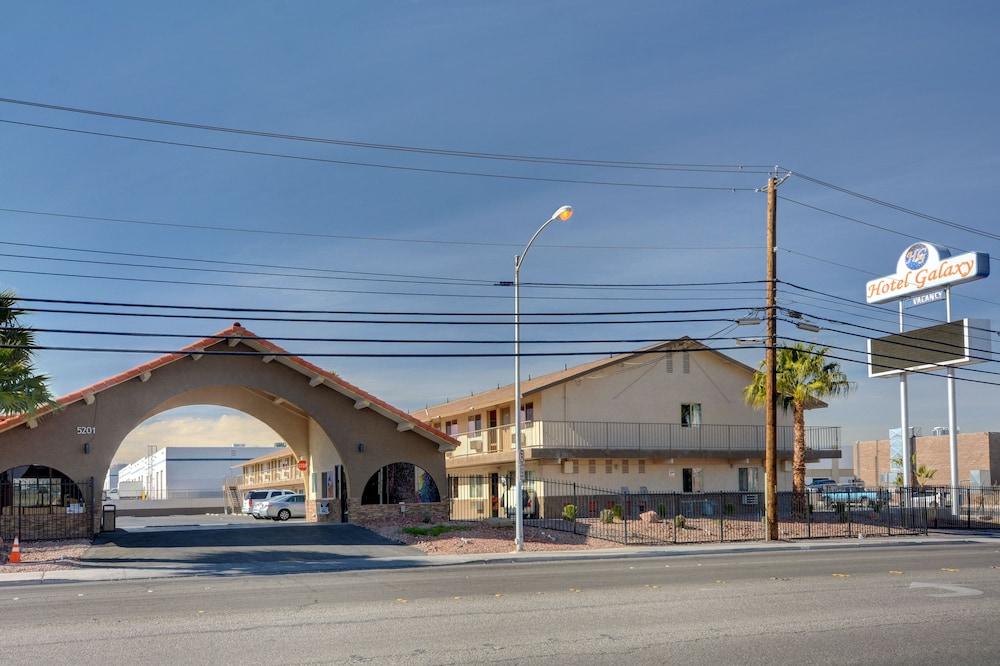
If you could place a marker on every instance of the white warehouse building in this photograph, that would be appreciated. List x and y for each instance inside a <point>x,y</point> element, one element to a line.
<point>186,471</point>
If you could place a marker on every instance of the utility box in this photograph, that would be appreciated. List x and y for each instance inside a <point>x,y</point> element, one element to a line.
<point>109,514</point>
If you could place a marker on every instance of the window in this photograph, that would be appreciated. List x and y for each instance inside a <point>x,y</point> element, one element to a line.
<point>451,427</point>
<point>624,467</point>
<point>691,415</point>
<point>453,481</point>
<point>749,478</point>
<point>576,466</point>
<point>529,475</point>
<point>686,361</point>
<point>476,486</point>
<point>608,465</point>
<point>642,467</point>
<point>475,423</point>
<point>692,479</point>
<point>592,467</point>
<point>670,363</point>
<point>528,412</point>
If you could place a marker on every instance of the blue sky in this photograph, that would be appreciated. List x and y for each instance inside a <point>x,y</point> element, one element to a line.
<point>892,99</point>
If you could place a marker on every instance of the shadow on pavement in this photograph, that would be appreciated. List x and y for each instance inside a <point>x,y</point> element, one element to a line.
<point>252,551</point>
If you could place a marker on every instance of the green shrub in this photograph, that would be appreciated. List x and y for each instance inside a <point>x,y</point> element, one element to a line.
<point>569,512</point>
<point>617,511</point>
<point>607,516</point>
<point>661,511</point>
<point>426,518</point>
<point>679,521</point>
<point>434,530</point>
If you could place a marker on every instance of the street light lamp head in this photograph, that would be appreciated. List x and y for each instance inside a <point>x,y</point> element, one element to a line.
<point>563,214</point>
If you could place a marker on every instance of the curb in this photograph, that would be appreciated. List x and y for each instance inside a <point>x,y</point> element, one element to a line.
<point>97,574</point>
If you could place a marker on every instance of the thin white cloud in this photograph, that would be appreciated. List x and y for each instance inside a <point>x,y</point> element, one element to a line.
<point>222,430</point>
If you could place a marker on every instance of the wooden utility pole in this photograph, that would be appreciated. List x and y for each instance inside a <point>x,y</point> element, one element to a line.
<point>770,385</point>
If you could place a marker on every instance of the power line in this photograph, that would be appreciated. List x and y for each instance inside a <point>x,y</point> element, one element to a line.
<point>874,274</point>
<point>457,341</point>
<point>450,281</point>
<point>222,308</point>
<point>621,164</point>
<point>229,285</point>
<point>916,372</point>
<point>938,344</point>
<point>637,352</point>
<point>902,209</point>
<point>208,352</point>
<point>159,315</point>
<point>382,239</point>
<point>393,167</point>
<point>869,305</point>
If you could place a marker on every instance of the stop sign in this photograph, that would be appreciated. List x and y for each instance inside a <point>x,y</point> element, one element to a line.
<point>303,465</point>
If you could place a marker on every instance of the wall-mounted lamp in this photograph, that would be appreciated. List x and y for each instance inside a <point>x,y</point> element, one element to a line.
<point>361,447</point>
<point>86,447</point>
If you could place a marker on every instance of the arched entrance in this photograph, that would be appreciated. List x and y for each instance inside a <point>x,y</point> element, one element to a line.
<point>329,423</point>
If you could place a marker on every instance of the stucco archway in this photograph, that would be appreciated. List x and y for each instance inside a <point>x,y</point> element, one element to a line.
<point>339,423</point>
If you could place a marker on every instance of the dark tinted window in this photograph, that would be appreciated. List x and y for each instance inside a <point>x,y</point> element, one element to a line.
<point>258,494</point>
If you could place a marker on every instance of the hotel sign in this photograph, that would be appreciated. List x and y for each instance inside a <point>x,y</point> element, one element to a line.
<point>924,267</point>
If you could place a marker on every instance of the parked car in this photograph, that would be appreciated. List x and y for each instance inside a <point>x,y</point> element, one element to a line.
<point>820,481</point>
<point>529,498</point>
<point>849,494</point>
<point>928,499</point>
<point>285,507</point>
<point>256,496</point>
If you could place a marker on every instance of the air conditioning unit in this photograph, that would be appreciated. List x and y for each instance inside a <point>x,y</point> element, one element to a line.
<point>476,444</point>
<point>939,430</point>
<point>750,500</point>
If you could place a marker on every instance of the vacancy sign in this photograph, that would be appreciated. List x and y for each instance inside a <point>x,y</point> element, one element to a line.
<point>924,267</point>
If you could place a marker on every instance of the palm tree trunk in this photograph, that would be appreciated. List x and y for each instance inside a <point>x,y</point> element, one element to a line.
<point>799,458</point>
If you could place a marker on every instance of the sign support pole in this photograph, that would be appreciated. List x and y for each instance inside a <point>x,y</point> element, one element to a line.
<point>904,419</point>
<point>952,426</point>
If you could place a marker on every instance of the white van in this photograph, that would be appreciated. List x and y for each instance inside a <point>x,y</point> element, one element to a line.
<point>254,496</point>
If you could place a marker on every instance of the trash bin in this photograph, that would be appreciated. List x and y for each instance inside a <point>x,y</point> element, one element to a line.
<point>108,515</point>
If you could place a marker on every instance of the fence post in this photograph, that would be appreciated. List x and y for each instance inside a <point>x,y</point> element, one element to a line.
<point>968,508</point>
<point>673,518</point>
<point>625,512</point>
<point>849,512</point>
<point>809,513</point>
<point>722,517</point>
<point>577,506</point>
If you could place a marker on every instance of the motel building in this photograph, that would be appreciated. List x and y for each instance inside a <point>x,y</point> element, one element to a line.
<point>670,418</point>
<point>275,470</point>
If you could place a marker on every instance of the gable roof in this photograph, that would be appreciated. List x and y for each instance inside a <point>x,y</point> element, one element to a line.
<point>542,382</point>
<point>232,336</point>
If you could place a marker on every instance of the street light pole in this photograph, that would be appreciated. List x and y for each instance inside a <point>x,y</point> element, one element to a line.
<point>563,214</point>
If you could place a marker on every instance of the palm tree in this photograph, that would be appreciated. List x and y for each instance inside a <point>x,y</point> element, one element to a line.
<point>804,376</point>
<point>22,390</point>
<point>922,473</point>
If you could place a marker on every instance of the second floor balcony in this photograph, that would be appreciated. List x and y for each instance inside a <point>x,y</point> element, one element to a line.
<point>272,475</point>
<point>603,438</point>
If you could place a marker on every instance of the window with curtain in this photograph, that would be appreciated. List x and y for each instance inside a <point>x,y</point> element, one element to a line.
<point>691,415</point>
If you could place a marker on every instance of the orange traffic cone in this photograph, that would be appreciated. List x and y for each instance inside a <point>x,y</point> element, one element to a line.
<point>15,552</point>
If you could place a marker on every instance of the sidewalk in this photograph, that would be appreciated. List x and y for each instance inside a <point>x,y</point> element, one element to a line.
<point>103,573</point>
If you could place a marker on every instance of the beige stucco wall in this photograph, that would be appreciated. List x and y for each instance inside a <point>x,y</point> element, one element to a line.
<point>642,390</point>
<point>659,476</point>
<point>218,380</point>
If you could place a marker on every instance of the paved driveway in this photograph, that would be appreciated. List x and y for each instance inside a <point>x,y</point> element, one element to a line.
<point>250,549</point>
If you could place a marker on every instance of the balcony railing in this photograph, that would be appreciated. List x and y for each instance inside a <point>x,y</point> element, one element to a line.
<point>269,476</point>
<point>640,436</point>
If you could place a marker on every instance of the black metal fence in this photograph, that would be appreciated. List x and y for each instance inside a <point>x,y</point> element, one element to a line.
<point>969,508</point>
<point>46,508</point>
<point>651,517</point>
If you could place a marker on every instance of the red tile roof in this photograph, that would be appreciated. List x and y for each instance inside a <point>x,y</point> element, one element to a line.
<point>251,339</point>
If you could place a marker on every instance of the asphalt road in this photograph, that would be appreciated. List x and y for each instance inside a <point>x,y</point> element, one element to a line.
<point>866,605</point>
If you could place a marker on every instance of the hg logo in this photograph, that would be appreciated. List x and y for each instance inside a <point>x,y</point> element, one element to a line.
<point>916,256</point>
